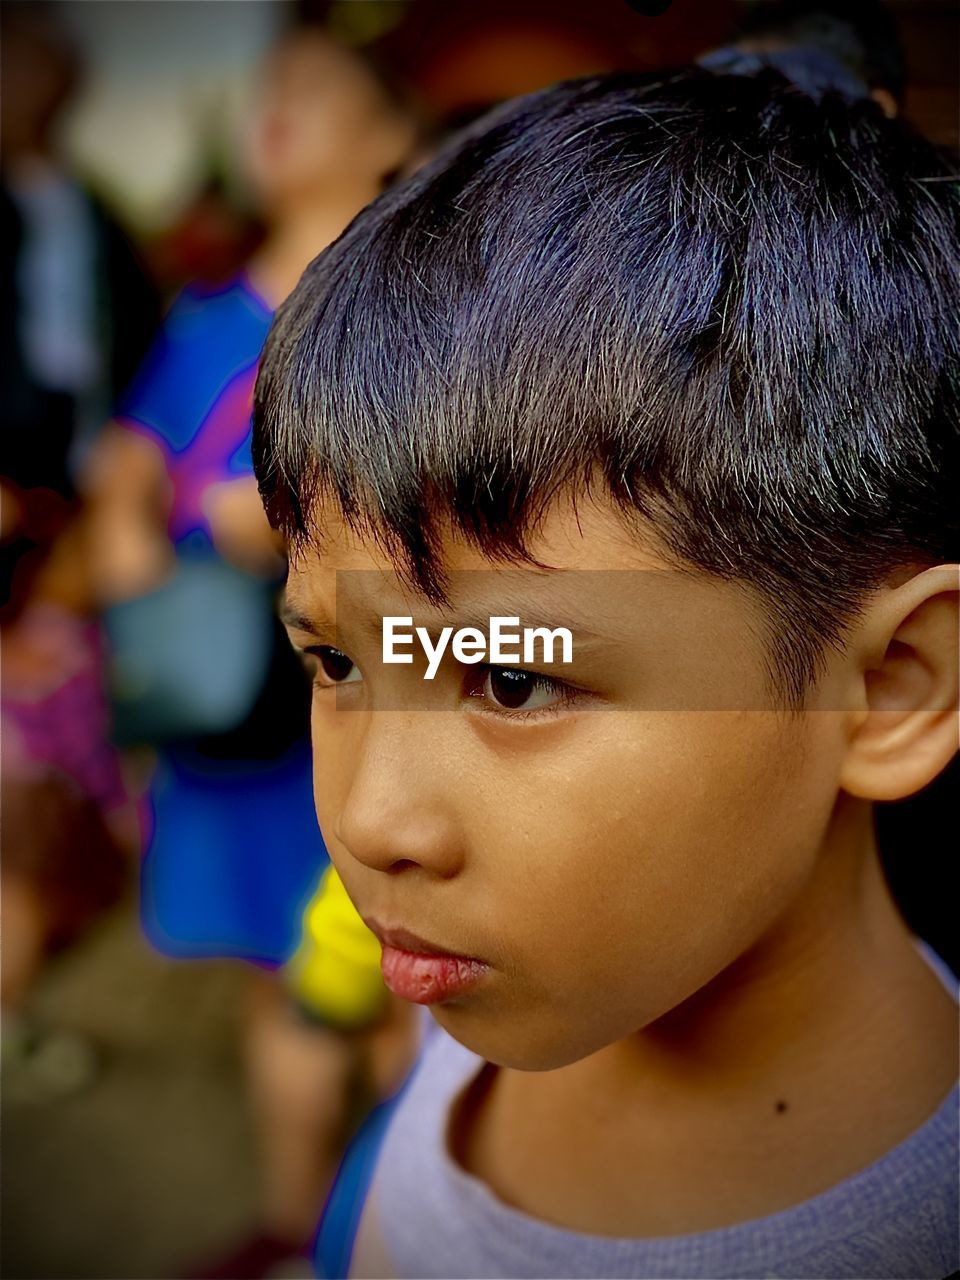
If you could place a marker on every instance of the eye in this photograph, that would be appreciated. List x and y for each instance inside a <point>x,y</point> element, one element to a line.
<point>508,689</point>
<point>333,667</point>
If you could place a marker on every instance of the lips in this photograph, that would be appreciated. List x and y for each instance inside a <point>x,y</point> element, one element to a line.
<point>416,970</point>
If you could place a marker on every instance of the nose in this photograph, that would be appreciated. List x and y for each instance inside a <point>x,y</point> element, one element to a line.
<point>396,814</point>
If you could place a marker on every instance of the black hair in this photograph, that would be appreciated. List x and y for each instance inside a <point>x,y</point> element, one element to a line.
<point>859,34</point>
<point>727,306</point>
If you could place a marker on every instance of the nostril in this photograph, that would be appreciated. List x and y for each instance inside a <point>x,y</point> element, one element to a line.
<point>401,864</point>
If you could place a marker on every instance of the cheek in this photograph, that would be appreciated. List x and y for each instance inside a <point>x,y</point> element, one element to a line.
<point>331,778</point>
<point>325,134</point>
<point>294,142</point>
<point>641,861</point>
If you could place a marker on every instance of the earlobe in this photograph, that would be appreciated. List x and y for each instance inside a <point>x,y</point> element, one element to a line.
<point>909,730</point>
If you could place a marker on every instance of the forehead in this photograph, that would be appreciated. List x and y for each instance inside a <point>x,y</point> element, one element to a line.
<point>311,60</point>
<point>573,535</point>
<point>586,563</point>
<point>346,573</point>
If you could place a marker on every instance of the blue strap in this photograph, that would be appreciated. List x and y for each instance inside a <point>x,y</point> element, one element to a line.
<point>334,1241</point>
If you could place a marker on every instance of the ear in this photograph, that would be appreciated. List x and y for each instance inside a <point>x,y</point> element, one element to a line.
<point>906,728</point>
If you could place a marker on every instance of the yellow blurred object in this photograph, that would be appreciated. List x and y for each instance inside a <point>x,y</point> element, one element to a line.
<point>334,975</point>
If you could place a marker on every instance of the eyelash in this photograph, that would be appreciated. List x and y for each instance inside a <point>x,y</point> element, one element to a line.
<point>474,684</point>
<point>313,661</point>
<point>564,694</point>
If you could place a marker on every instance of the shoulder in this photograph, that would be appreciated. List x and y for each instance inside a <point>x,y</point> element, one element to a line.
<point>208,304</point>
<point>899,1216</point>
<point>395,1222</point>
<point>211,337</point>
<point>363,1228</point>
<point>205,319</point>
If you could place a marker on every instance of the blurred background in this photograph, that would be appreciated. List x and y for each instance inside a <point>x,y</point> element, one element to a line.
<point>175,1092</point>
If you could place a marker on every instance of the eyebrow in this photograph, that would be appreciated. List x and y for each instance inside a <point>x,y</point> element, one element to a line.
<point>322,629</point>
<point>481,623</point>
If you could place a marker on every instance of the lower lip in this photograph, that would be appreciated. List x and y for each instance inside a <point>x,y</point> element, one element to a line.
<point>428,979</point>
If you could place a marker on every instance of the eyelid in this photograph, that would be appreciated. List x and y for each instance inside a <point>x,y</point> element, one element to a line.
<point>319,676</point>
<point>541,677</point>
<point>310,647</point>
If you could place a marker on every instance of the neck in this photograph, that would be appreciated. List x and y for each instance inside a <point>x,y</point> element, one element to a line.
<point>301,228</point>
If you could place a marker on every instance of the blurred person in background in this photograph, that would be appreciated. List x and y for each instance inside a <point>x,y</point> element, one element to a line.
<point>210,239</point>
<point>188,571</point>
<point>70,830</point>
<point>77,315</point>
<point>78,310</point>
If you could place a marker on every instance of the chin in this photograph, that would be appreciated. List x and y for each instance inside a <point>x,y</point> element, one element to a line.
<point>509,1041</point>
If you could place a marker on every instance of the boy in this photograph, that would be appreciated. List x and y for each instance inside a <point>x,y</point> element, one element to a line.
<point>673,363</point>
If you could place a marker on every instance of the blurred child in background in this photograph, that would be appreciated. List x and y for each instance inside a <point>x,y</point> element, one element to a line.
<point>188,566</point>
<point>69,827</point>
<point>78,314</point>
<point>78,309</point>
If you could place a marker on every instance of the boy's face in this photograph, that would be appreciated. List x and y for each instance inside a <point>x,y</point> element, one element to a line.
<point>607,851</point>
